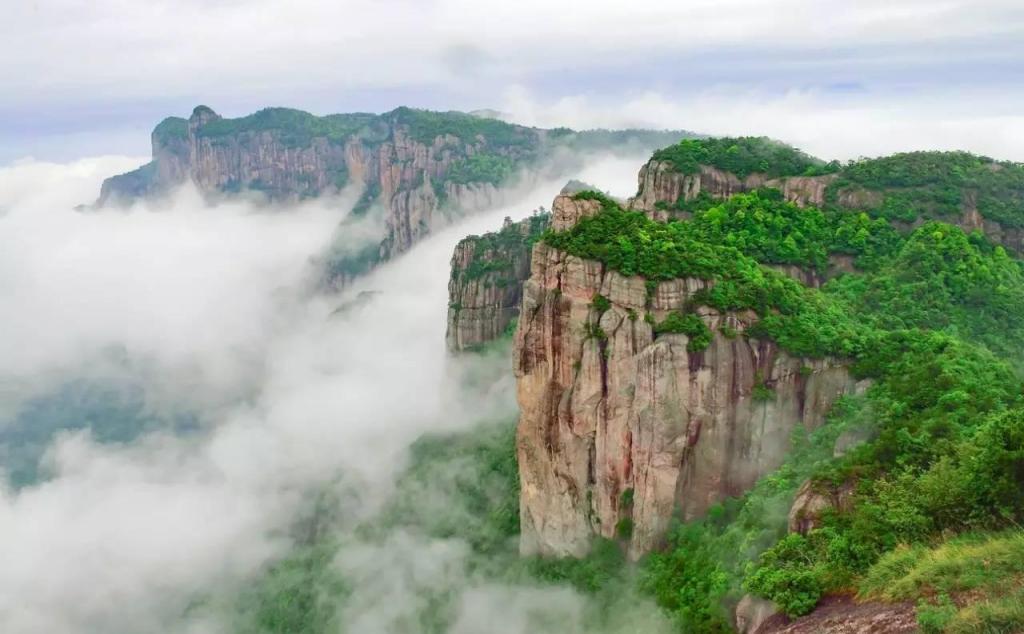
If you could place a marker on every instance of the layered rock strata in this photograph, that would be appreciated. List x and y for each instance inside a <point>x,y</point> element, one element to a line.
<point>486,284</point>
<point>621,429</point>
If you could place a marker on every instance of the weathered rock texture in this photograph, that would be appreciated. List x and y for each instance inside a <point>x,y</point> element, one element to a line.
<point>407,176</point>
<point>661,186</point>
<point>844,615</point>
<point>486,284</point>
<point>620,429</point>
<point>813,500</point>
<point>752,612</point>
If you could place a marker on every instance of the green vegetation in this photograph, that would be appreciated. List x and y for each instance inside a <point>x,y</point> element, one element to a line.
<point>600,303</point>
<point>366,199</point>
<point>482,168</point>
<point>496,254</point>
<point>171,129</point>
<point>463,486</point>
<point>296,595</point>
<point>425,126</point>
<point>935,185</point>
<point>295,128</point>
<point>930,317</point>
<point>349,265</point>
<point>113,412</point>
<point>960,584</point>
<point>801,320</point>
<point>742,156</point>
<point>932,481</point>
<point>690,325</point>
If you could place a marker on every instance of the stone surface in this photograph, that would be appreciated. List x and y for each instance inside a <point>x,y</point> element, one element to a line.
<point>661,186</point>
<point>813,500</point>
<point>628,412</point>
<point>659,182</point>
<point>486,284</point>
<point>752,612</point>
<point>394,169</point>
<point>844,615</point>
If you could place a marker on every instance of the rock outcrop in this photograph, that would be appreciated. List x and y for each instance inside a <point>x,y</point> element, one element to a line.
<point>844,615</point>
<point>418,168</point>
<point>753,612</point>
<point>620,429</point>
<point>661,187</point>
<point>286,154</point>
<point>663,192</point>
<point>813,500</point>
<point>486,283</point>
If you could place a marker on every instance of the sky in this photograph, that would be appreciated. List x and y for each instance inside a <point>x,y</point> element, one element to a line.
<point>837,78</point>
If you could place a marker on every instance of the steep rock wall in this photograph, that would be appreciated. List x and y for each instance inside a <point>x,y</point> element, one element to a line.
<point>406,176</point>
<point>624,429</point>
<point>661,186</point>
<point>486,284</point>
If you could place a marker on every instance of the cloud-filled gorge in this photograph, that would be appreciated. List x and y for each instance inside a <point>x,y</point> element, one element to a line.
<point>232,420</point>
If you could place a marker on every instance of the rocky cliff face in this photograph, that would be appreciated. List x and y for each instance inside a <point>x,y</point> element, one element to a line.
<point>662,189</point>
<point>486,283</point>
<point>410,164</point>
<point>661,186</point>
<point>620,429</point>
<point>405,174</point>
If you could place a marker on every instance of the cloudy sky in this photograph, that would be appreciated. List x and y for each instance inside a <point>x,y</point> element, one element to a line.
<point>839,78</point>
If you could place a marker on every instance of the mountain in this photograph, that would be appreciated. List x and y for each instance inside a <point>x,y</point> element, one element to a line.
<point>414,167</point>
<point>764,372</point>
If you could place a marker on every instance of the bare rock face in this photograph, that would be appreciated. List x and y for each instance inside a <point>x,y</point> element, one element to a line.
<point>402,173</point>
<point>486,284</point>
<point>566,211</point>
<point>753,612</point>
<point>813,500</point>
<point>661,186</point>
<point>844,615</point>
<point>622,429</point>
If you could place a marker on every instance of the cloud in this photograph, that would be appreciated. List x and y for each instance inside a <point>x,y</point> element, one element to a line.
<point>809,119</point>
<point>215,304</point>
<point>69,70</point>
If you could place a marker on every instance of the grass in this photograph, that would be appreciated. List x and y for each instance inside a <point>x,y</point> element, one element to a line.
<point>971,583</point>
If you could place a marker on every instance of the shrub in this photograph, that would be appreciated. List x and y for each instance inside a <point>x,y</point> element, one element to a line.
<point>600,303</point>
<point>690,325</point>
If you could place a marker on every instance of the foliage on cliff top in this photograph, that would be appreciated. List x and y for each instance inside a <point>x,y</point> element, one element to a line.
<point>802,320</point>
<point>742,156</point>
<point>426,125</point>
<point>937,184</point>
<point>295,128</point>
<point>496,251</point>
<point>937,278</point>
<point>940,278</point>
<point>170,129</point>
<point>482,168</point>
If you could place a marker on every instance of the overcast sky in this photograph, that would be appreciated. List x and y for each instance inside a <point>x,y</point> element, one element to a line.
<point>838,78</point>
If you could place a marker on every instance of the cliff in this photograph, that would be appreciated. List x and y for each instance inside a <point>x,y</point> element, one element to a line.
<point>663,190</point>
<point>972,192</point>
<point>487,275</point>
<point>406,165</point>
<point>621,427</point>
<point>409,164</point>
